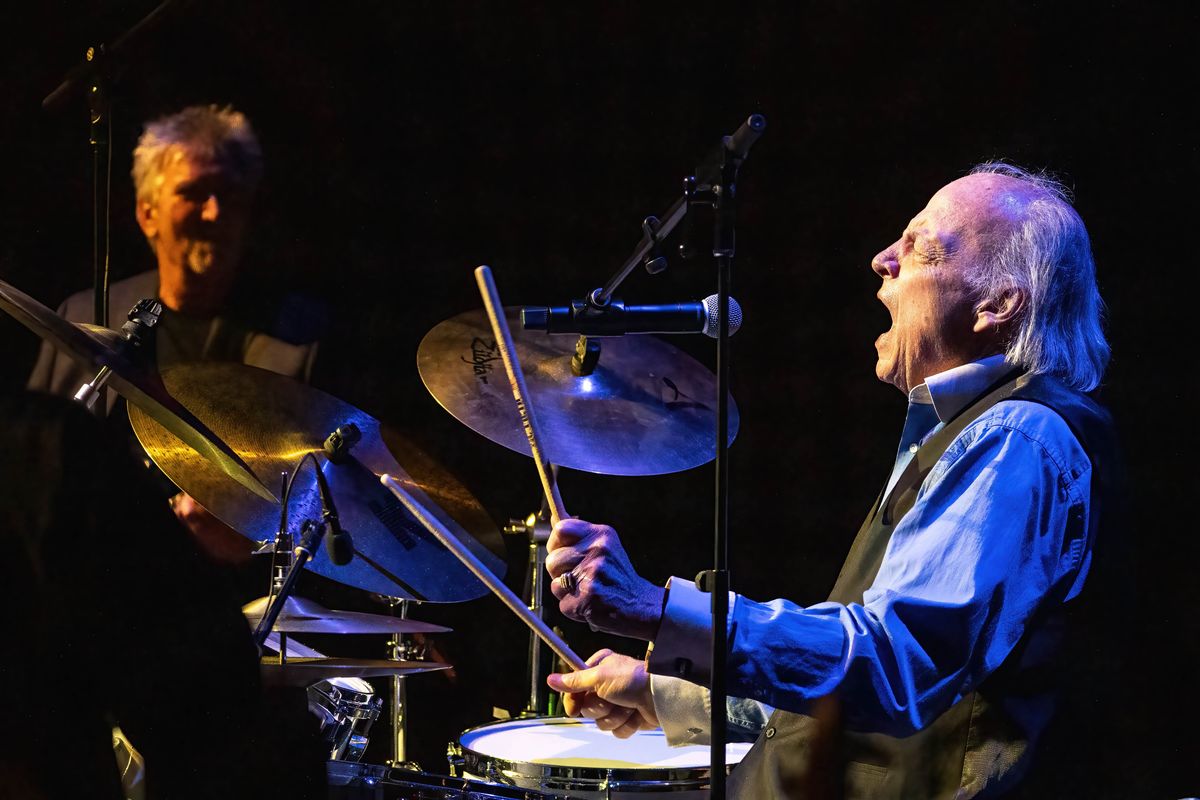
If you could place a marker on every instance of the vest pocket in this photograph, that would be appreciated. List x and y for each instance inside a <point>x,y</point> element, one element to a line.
<point>864,781</point>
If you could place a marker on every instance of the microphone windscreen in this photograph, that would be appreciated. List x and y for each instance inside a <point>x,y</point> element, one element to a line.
<point>340,548</point>
<point>711,307</point>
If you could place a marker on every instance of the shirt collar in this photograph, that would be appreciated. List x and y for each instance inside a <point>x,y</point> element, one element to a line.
<point>949,392</point>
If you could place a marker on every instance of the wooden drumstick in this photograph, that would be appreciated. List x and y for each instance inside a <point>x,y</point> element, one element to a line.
<point>508,352</point>
<point>514,603</point>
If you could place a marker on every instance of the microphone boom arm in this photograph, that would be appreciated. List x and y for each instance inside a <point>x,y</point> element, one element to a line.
<point>704,187</point>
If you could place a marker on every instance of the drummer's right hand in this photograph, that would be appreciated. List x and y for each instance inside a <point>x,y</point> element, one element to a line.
<point>614,691</point>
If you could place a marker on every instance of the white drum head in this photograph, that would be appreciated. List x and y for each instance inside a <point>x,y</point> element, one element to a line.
<point>562,742</point>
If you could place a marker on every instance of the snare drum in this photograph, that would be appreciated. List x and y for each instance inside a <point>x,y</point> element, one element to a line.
<point>346,707</point>
<point>356,781</point>
<point>573,758</point>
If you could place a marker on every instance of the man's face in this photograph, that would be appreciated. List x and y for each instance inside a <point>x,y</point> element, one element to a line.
<point>196,220</point>
<point>935,325</point>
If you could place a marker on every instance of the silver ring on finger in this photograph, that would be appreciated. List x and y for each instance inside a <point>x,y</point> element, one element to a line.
<point>567,582</point>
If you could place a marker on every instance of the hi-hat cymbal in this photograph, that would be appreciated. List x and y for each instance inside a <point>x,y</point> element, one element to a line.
<point>647,409</point>
<point>94,347</point>
<point>272,421</point>
<point>307,671</point>
<point>300,615</point>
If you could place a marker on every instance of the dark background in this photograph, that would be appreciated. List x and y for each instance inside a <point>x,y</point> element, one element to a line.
<point>407,143</point>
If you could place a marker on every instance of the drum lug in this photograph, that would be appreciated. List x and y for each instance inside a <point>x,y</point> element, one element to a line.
<point>356,745</point>
<point>496,775</point>
<point>455,758</point>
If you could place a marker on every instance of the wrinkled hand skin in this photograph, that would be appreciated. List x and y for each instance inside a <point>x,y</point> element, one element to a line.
<point>614,691</point>
<point>609,595</point>
<point>217,540</point>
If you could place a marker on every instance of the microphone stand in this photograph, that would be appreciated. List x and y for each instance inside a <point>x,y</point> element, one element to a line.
<point>337,449</point>
<point>722,195</point>
<point>714,185</point>
<point>95,78</point>
<point>310,539</point>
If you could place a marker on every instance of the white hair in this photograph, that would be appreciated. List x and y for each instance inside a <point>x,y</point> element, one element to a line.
<point>211,131</point>
<point>1048,257</point>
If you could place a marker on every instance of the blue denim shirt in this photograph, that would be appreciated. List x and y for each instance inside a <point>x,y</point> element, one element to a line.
<point>986,540</point>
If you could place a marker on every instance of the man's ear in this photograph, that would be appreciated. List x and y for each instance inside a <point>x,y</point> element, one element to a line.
<point>998,312</point>
<point>147,218</point>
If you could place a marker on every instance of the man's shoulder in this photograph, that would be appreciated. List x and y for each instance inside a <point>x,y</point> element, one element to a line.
<point>1031,421</point>
<point>122,295</point>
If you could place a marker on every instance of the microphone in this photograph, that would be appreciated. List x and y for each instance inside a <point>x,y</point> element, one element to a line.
<point>338,544</point>
<point>744,137</point>
<point>618,319</point>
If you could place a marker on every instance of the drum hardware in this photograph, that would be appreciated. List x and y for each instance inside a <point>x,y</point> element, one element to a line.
<point>536,527</point>
<point>311,534</point>
<point>401,649</point>
<point>345,708</point>
<point>355,781</point>
<point>136,340</point>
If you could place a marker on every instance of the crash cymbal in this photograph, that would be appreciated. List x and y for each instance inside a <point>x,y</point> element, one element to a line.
<point>271,421</point>
<point>647,409</point>
<point>300,615</point>
<point>94,347</point>
<point>307,671</point>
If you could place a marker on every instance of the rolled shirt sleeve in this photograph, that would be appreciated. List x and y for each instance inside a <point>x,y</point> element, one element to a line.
<point>998,526</point>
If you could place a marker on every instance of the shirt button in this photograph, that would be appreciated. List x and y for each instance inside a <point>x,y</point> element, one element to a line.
<point>770,733</point>
<point>913,448</point>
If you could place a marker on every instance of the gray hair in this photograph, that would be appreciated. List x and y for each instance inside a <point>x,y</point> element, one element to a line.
<point>1049,257</point>
<point>211,131</point>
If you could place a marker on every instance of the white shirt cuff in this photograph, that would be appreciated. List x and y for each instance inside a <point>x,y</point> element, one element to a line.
<point>684,709</point>
<point>683,646</point>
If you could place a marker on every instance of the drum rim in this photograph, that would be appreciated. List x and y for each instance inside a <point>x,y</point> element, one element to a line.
<point>558,777</point>
<point>356,774</point>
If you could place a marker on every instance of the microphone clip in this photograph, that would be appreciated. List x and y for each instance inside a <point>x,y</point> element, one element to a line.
<point>654,262</point>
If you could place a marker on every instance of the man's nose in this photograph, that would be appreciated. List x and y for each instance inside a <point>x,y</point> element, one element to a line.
<point>211,209</point>
<point>886,264</point>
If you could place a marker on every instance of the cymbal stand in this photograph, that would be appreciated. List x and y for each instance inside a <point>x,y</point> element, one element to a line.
<point>281,567</point>
<point>537,527</point>
<point>400,649</point>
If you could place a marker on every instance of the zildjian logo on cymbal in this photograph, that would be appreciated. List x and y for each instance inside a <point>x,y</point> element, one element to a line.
<point>483,353</point>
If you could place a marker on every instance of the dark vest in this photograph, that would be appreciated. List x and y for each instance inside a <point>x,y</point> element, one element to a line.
<point>975,748</point>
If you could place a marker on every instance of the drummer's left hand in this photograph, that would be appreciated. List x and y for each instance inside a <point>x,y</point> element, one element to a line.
<point>614,691</point>
<point>217,540</point>
<point>607,594</point>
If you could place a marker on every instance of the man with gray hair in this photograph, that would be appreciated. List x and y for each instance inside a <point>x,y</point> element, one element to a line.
<point>195,173</point>
<point>946,647</point>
